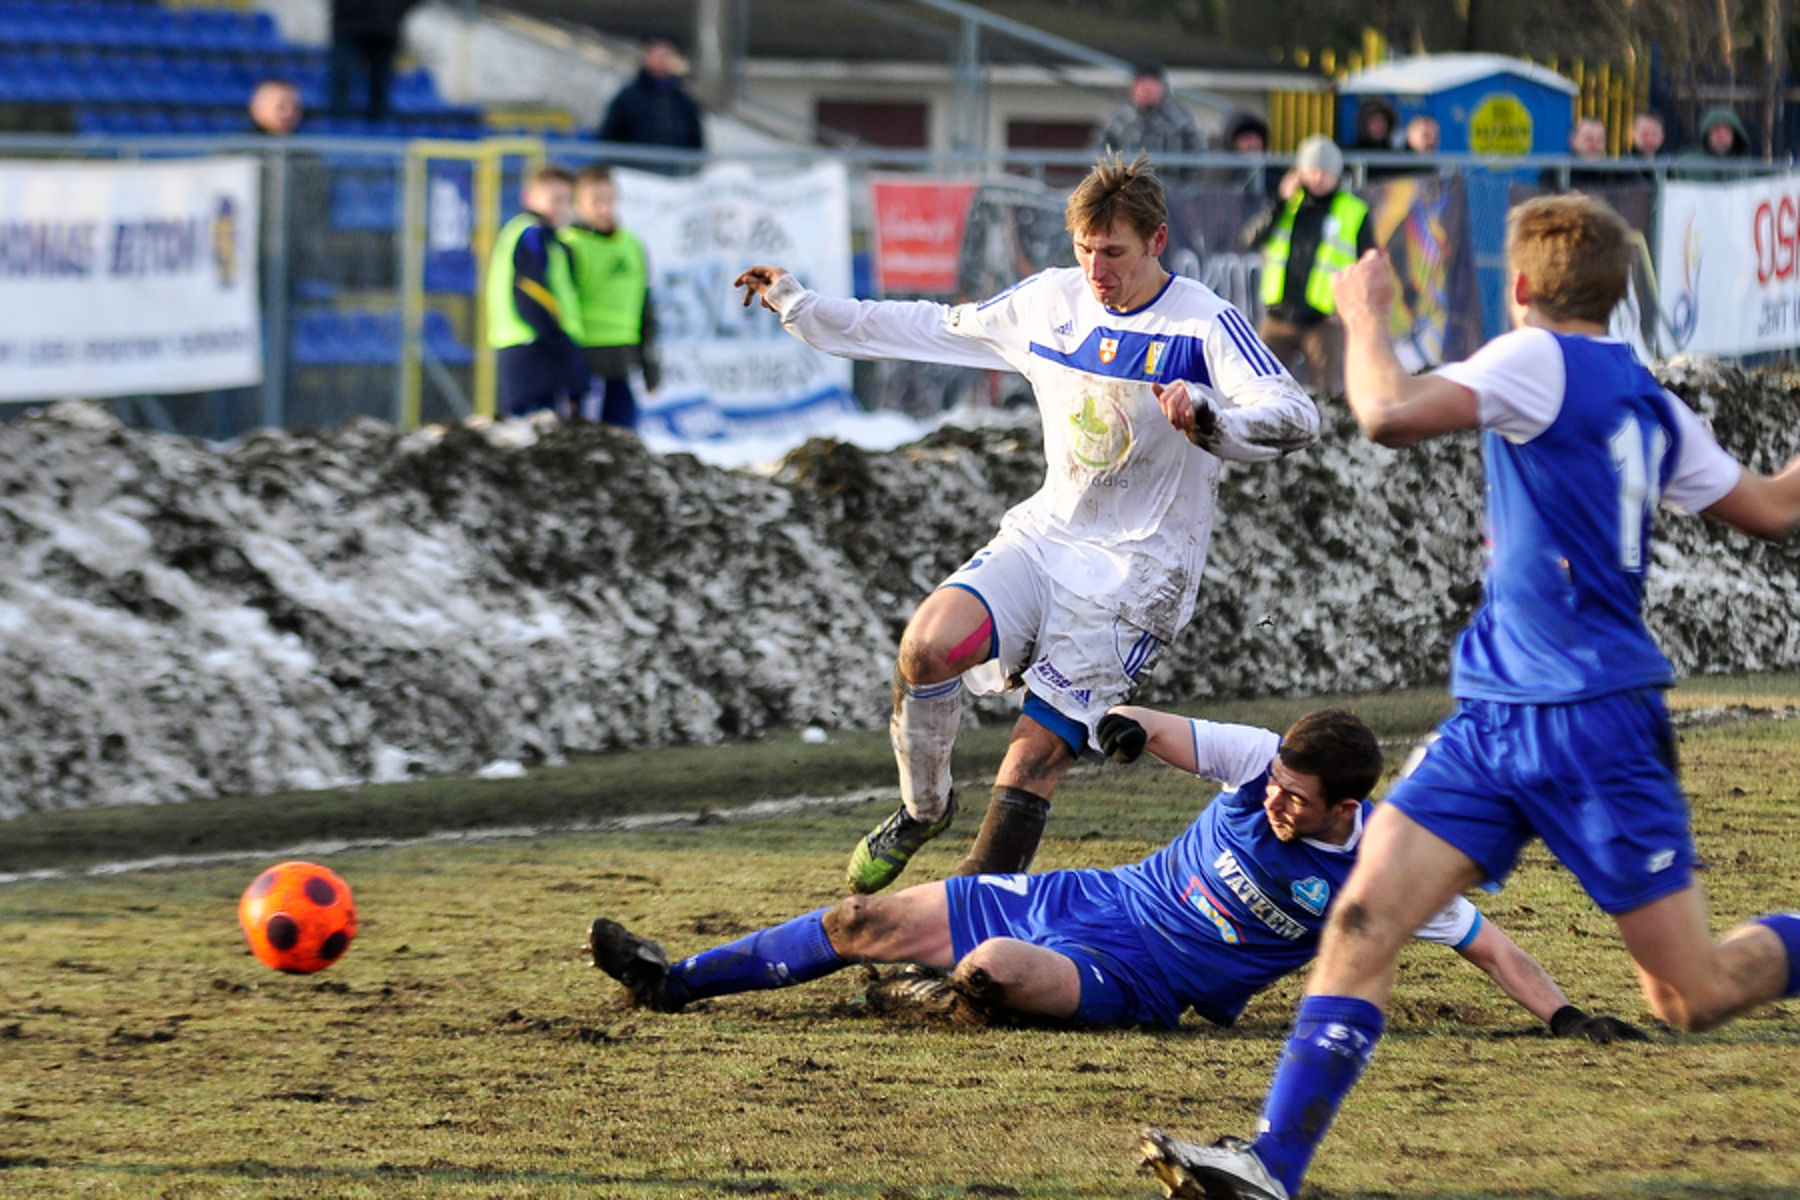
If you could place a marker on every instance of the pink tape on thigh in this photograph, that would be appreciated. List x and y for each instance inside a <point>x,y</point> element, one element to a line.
<point>975,644</point>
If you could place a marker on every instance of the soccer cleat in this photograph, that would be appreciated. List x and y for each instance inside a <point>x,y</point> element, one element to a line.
<point>1225,1170</point>
<point>638,963</point>
<point>911,991</point>
<point>880,857</point>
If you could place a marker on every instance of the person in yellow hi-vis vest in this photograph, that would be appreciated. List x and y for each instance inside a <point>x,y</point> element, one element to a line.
<point>1312,232</point>
<point>612,279</point>
<point>533,313</point>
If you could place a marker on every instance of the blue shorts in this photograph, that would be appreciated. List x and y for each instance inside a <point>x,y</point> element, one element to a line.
<point>1080,915</point>
<point>1595,779</point>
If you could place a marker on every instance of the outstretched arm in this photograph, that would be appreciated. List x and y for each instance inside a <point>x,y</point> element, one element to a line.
<point>1392,407</point>
<point>1524,979</point>
<point>905,330</point>
<point>1231,754</point>
<point>1764,506</point>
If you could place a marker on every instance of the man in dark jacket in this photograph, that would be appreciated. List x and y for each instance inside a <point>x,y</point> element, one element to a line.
<point>365,34</point>
<point>654,109</point>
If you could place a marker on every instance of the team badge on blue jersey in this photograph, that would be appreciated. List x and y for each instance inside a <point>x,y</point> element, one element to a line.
<point>1312,894</point>
<point>1109,349</point>
<point>1153,357</point>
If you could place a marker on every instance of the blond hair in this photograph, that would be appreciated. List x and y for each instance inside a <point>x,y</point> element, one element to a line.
<point>1575,253</point>
<point>1117,191</point>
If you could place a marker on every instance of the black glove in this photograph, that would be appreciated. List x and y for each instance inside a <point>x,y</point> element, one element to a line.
<point>1570,1022</point>
<point>1121,738</point>
<point>652,368</point>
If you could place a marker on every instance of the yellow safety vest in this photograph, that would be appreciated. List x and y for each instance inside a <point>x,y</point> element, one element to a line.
<point>505,327</point>
<point>1337,250</point>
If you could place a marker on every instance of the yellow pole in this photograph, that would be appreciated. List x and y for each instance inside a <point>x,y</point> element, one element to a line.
<point>490,157</point>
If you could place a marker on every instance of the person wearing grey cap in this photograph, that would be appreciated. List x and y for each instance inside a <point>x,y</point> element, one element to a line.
<point>1311,232</point>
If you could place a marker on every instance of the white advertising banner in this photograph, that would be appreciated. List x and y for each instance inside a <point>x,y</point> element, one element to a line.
<point>730,370</point>
<point>1728,265</point>
<point>128,278</point>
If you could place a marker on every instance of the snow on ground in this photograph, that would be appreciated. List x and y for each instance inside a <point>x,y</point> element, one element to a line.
<point>300,610</point>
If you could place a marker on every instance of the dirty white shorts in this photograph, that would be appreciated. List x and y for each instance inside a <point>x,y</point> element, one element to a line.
<point>1075,658</point>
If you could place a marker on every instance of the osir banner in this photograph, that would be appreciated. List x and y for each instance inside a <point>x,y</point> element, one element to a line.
<point>128,278</point>
<point>1728,265</point>
<point>726,368</point>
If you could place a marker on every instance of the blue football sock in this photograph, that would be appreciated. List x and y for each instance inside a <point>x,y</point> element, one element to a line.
<point>1332,1041</point>
<point>777,957</point>
<point>1787,928</point>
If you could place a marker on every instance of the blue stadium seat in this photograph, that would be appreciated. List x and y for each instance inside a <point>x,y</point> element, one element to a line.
<point>441,340</point>
<point>315,342</point>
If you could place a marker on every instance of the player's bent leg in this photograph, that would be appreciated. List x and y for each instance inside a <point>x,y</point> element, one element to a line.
<point>912,925</point>
<point>1035,763</point>
<point>1004,975</point>
<point>1691,981</point>
<point>949,633</point>
<point>1404,875</point>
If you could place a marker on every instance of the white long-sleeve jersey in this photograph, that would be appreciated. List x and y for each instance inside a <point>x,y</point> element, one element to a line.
<point>1126,511</point>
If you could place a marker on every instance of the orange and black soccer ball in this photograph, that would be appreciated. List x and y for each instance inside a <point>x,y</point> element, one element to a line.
<point>298,917</point>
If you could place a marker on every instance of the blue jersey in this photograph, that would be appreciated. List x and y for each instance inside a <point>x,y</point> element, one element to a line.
<point>1228,908</point>
<point>1220,913</point>
<point>1580,443</point>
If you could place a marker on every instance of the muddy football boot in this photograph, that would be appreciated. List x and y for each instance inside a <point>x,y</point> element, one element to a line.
<point>911,991</point>
<point>1225,1170</point>
<point>638,963</point>
<point>879,858</point>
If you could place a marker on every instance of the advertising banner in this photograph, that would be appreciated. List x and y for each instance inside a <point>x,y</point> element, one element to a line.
<point>919,228</point>
<point>128,278</point>
<point>727,369</point>
<point>1728,265</point>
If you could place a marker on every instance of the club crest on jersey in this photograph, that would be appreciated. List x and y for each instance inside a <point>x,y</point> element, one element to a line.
<point>1312,894</point>
<point>1153,357</point>
<point>1109,349</point>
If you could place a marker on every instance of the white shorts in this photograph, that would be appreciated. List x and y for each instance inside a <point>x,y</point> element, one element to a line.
<point>1066,650</point>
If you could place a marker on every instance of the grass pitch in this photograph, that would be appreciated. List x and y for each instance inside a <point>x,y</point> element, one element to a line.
<point>463,1048</point>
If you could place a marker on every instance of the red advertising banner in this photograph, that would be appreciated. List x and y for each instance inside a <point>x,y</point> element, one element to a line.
<point>918,234</point>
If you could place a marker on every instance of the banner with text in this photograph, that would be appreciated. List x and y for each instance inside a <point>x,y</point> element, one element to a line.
<point>128,278</point>
<point>728,369</point>
<point>1728,265</point>
<point>919,228</point>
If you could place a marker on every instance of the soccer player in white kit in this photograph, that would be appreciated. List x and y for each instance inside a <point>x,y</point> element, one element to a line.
<point>1144,381</point>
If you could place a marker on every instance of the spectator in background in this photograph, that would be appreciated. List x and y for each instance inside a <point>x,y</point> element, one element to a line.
<point>1152,122</point>
<point>1647,135</point>
<point>1722,134</point>
<point>1423,134</point>
<point>1588,139</point>
<point>1420,136</point>
<point>1246,134</point>
<point>1314,231</point>
<point>1375,124</point>
<point>612,279</point>
<point>365,35</point>
<point>533,312</point>
<point>275,107</point>
<point>1587,143</point>
<point>654,109</point>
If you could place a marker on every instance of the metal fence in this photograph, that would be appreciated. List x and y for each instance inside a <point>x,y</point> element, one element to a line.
<point>372,254</point>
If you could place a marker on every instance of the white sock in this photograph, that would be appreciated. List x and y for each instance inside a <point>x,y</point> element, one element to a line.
<point>923,728</point>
